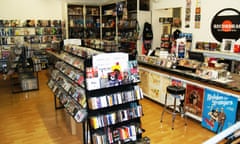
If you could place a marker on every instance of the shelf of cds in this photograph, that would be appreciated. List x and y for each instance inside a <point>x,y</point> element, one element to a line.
<point>67,84</point>
<point>71,96</point>
<point>41,33</point>
<point>13,32</point>
<point>108,27</point>
<point>75,21</point>
<point>100,89</point>
<point>113,94</point>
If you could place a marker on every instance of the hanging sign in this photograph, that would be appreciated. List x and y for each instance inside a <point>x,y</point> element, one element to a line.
<point>226,26</point>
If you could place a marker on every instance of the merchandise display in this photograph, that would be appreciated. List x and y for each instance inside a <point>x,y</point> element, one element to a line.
<point>112,29</point>
<point>67,83</point>
<point>196,70</point>
<point>23,69</point>
<point>88,83</point>
<point>113,98</point>
<point>39,35</point>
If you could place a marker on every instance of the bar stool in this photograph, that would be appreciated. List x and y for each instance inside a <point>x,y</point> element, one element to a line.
<point>177,92</point>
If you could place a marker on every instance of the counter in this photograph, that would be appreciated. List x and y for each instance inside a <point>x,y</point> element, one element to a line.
<point>231,86</point>
<point>203,97</point>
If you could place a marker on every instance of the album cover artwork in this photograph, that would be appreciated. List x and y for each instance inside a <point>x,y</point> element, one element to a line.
<point>194,99</point>
<point>219,110</point>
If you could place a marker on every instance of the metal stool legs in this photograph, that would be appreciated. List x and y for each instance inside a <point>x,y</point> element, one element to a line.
<point>174,111</point>
<point>164,109</point>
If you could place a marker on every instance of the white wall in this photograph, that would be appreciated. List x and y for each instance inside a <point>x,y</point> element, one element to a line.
<point>161,4</point>
<point>31,9</point>
<point>143,16</point>
<point>156,26</point>
<point>208,9</point>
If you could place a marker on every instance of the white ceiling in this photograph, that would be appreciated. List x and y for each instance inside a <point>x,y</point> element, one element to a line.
<point>92,2</point>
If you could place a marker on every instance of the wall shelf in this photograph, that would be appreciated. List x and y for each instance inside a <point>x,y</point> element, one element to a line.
<point>217,54</point>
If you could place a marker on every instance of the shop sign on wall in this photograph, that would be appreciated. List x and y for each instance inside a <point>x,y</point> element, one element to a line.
<point>226,25</point>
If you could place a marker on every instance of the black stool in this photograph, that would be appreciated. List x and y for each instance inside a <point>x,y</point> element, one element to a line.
<point>177,92</point>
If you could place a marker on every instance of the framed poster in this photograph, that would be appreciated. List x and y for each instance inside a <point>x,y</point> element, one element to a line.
<point>219,110</point>
<point>154,86</point>
<point>194,99</point>
<point>227,45</point>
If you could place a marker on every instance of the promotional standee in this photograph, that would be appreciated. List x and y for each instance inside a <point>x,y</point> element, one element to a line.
<point>219,110</point>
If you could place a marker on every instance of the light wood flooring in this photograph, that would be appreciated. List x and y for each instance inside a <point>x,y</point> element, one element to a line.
<point>30,118</point>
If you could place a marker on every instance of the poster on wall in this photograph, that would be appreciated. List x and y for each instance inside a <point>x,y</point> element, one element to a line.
<point>188,14</point>
<point>219,110</point>
<point>194,99</point>
<point>198,14</point>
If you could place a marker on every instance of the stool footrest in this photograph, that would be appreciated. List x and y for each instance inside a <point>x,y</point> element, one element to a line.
<point>170,109</point>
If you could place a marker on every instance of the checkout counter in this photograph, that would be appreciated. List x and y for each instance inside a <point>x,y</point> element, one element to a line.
<point>210,88</point>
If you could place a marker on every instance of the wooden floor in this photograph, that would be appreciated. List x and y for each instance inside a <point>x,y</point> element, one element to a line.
<point>30,118</point>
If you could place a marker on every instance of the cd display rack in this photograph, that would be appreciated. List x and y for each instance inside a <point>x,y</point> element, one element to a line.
<point>112,93</point>
<point>108,28</point>
<point>101,90</point>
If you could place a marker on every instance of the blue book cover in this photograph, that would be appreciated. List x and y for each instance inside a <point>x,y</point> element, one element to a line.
<point>219,110</point>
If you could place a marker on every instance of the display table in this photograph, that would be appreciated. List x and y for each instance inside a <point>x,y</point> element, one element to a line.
<point>203,99</point>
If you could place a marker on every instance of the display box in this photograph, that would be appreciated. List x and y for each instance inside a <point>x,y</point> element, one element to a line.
<point>28,82</point>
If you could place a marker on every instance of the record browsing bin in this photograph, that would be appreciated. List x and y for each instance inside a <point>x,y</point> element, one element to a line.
<point>28,82</point>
